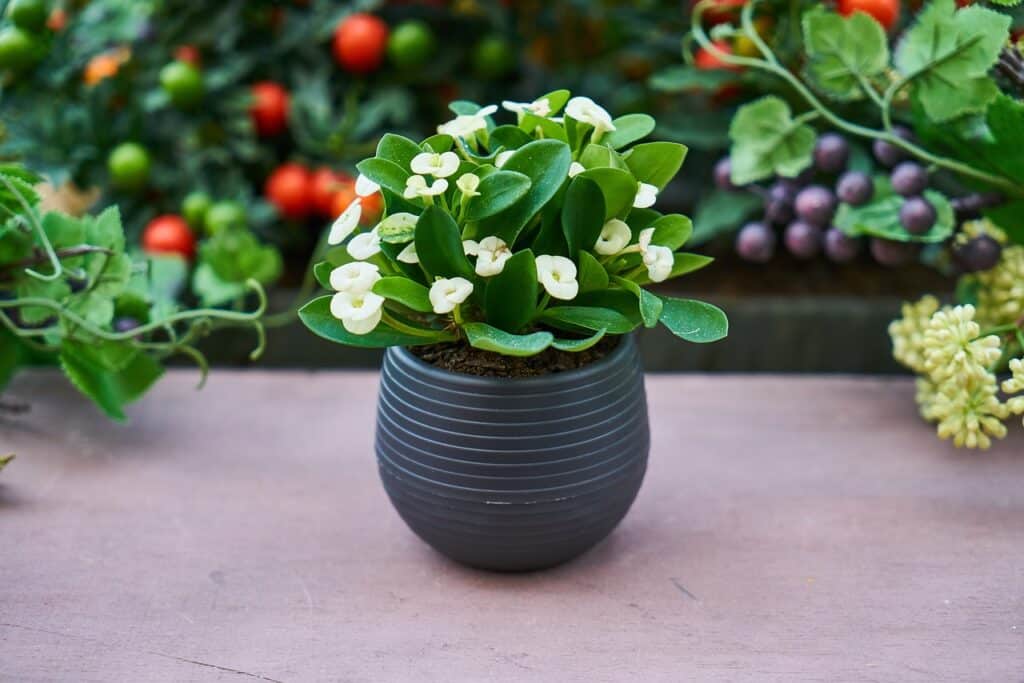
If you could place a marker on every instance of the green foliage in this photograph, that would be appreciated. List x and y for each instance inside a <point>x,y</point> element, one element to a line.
<point>881,218</point>
<point>844,52</point>
<point>767,141</point>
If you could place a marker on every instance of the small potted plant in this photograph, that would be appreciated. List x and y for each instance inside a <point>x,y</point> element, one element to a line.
<point>505,278</point>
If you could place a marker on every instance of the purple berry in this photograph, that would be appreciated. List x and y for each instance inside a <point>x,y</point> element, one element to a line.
<point>909,178</point>
<point>888,154</point>
<point>756,243</point>
<point>840,247</point>
<point>831,153</point>
<point>855,188</point>
<point>978,254</point>
<point>891,253</point>
<point>723,174</point>
<point>816,205</point>
<point>778,205</point>
<point>917,215</point>
<point>803,240</point>
<point>125,324</point>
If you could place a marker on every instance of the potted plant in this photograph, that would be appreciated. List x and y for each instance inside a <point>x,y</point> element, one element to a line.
<point>505,278</point>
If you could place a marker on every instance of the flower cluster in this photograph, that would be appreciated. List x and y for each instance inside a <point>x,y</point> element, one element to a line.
<point>512,237</point>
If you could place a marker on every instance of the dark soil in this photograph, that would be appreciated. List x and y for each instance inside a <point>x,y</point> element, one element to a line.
<point>463,358</point>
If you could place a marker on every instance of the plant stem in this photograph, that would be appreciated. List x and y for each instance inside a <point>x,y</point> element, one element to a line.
<point>408,329</point>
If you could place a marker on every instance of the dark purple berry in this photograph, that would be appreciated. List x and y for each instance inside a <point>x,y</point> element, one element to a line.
<point>978,254</point>
<point>917,215</point>
<point>855,188</point>
<point>816,205</point>
<point>840,247</point>
<point>756,243</point>
<point>803,240</point>
<point>778,205</point>
<point>77,284</point>
<point>970,206</point>
<point>125,324</point>
<point>831,153</point>
<point>888,154</point>
<point>891,253</point>
<point>909,178</point>
<point>723,174</point>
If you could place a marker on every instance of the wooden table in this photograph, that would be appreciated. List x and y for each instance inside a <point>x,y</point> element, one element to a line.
<point>790,529</point>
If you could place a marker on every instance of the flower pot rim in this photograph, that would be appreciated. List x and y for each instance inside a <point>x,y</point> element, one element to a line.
<point>626,344</point>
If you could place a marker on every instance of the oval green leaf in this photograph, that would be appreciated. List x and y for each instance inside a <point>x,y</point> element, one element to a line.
<point>483,336</point>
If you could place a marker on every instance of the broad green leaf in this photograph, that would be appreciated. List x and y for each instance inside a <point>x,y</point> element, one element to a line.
<point>404,291</point>
<point>30,287</point>
<point>766,140</point>
<point>510,299</point>
<point>1005,121</point>
<point>111,391</point>
<point>556,100</point>
<point>20,193</point>
<point>63,230</point>
<point>600,156</point>
<point>387,174</point>
<point>237,255</point>
<point>439,245</point>
<point>587,318</point>
<point>212,290</point>
<point>844,51</point>
<point>881,218</point>
<point>650,305</point>
<point>629,129</point>
<point>694,321</point>
<point>316,315</point>
<point>672,231</point>
<point>322,273</point>
<point>483,336</point>
<point>656,162</point>
<point>550,129</point>
<point>509,137</point>
<point>577,345</point>
<point>583,214</point>
<point>498,191</point>
<point>438,143</point>
<point>592,275</point>
<point>546,163</point>
<point>721,212</point>
<point>397,149</point>
<point>112,356</point>
<point>397,228</point>
<point>947,55</point>
<point>618,187</point>
<point>463,107</point>
<point>105,230</point>
<point>618,300</point>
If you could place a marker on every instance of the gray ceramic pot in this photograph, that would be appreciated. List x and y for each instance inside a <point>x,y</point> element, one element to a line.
<point>513,474</point>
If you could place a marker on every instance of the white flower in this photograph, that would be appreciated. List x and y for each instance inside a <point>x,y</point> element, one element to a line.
<point>615,235</point>
<point>357,277</point>
<point>575,168</point>
<point>558,276</point>
<point>359,313</point>
<point>437,165</point>
<point>416,186</point>
<point>345,223</point>
<point>646,195</point>
<point>409,255</point>
<point>540,107</point>
<point>503,157</point>
<point>364,245</point>
<point>659,260</point>
<point>470,247</point>
<point>586,110</point>
<point>492,252</point>
<point>467,125</point>
<point>365,187</point>
<point>447,293</point>
<point>468,184</point>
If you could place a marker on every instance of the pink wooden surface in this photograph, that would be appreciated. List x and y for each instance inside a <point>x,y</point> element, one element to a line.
<point>790,529</point>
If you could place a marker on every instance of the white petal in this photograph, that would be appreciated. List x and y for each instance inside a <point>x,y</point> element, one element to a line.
<point>414,186</point>
<point>468,184</point>
<point>646,196</point>
<point>659,261</point>
<point>644,239</point>
<point>575,168</point>
<point>515,107</point>
<point>439,187</point>
<point>409,255</point>
<point>356,278</point>
<point>449,164</point>
<point>359,313</point>
<point>557,274</point>
<point>615,235</point>
<point>470,247</point>
<point>446,293</point>
<point>423,163</point>
<point>366,187</point>
<point>487,111</point>
<point>365,245</point>
<point>345,223</point>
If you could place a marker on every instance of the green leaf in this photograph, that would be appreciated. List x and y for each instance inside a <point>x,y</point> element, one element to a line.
<point>844,51</point>
<point>56,290</point>
<point>112,356</point>
<point>881,218</point>
<point>483,336</point>
<point>583,214</point>
<point>587,318</point>
<point>1005,121</point>
<point>397,149</point>
<point>498,191</point>
<point>404,291</point>
<point>618,187</point>
<point>105,230</point>
<point>767,140</point>
<point>63,230</point>
<point>947,55</point>
<point>511,295</point>
<point>316,315</point>
<point>592,275</point>
<point>677,79</point>
<point>211,289</point>
<point>1009,217</point>
<point>237,255</point>
<point>577,345</point>
<point>550,129</point>
<point>721,212</point>
<point>656,162</point>
<point>671,231</point>
<point>438,144</point>
<point>322,273</point>
<point>599,156</point>
<point>618,300</point>
<point>509,137</point>
<point>111,391</point>
<point>694,321</point>
<point>650,305</point>
<point>629,129</point>
<point>439,245</point>
<point>387,174</point>
<point>546,163</point>
<point>398,228</point>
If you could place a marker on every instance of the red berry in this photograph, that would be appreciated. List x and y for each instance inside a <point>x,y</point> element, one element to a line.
<point>708,59</point>
<point>885,12</point>
<point>188,54</point>
<point>325,184</point>
<point>169,234</point>
<point>360,42</point>
<point>269,110</point>
<point>288,188</point>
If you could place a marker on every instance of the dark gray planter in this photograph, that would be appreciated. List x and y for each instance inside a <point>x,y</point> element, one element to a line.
<point>513,474</point>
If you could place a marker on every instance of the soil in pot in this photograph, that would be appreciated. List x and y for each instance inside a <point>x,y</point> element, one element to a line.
<point>463,358</point>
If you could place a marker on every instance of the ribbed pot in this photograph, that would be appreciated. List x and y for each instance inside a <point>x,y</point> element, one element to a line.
<point>513,474</point>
